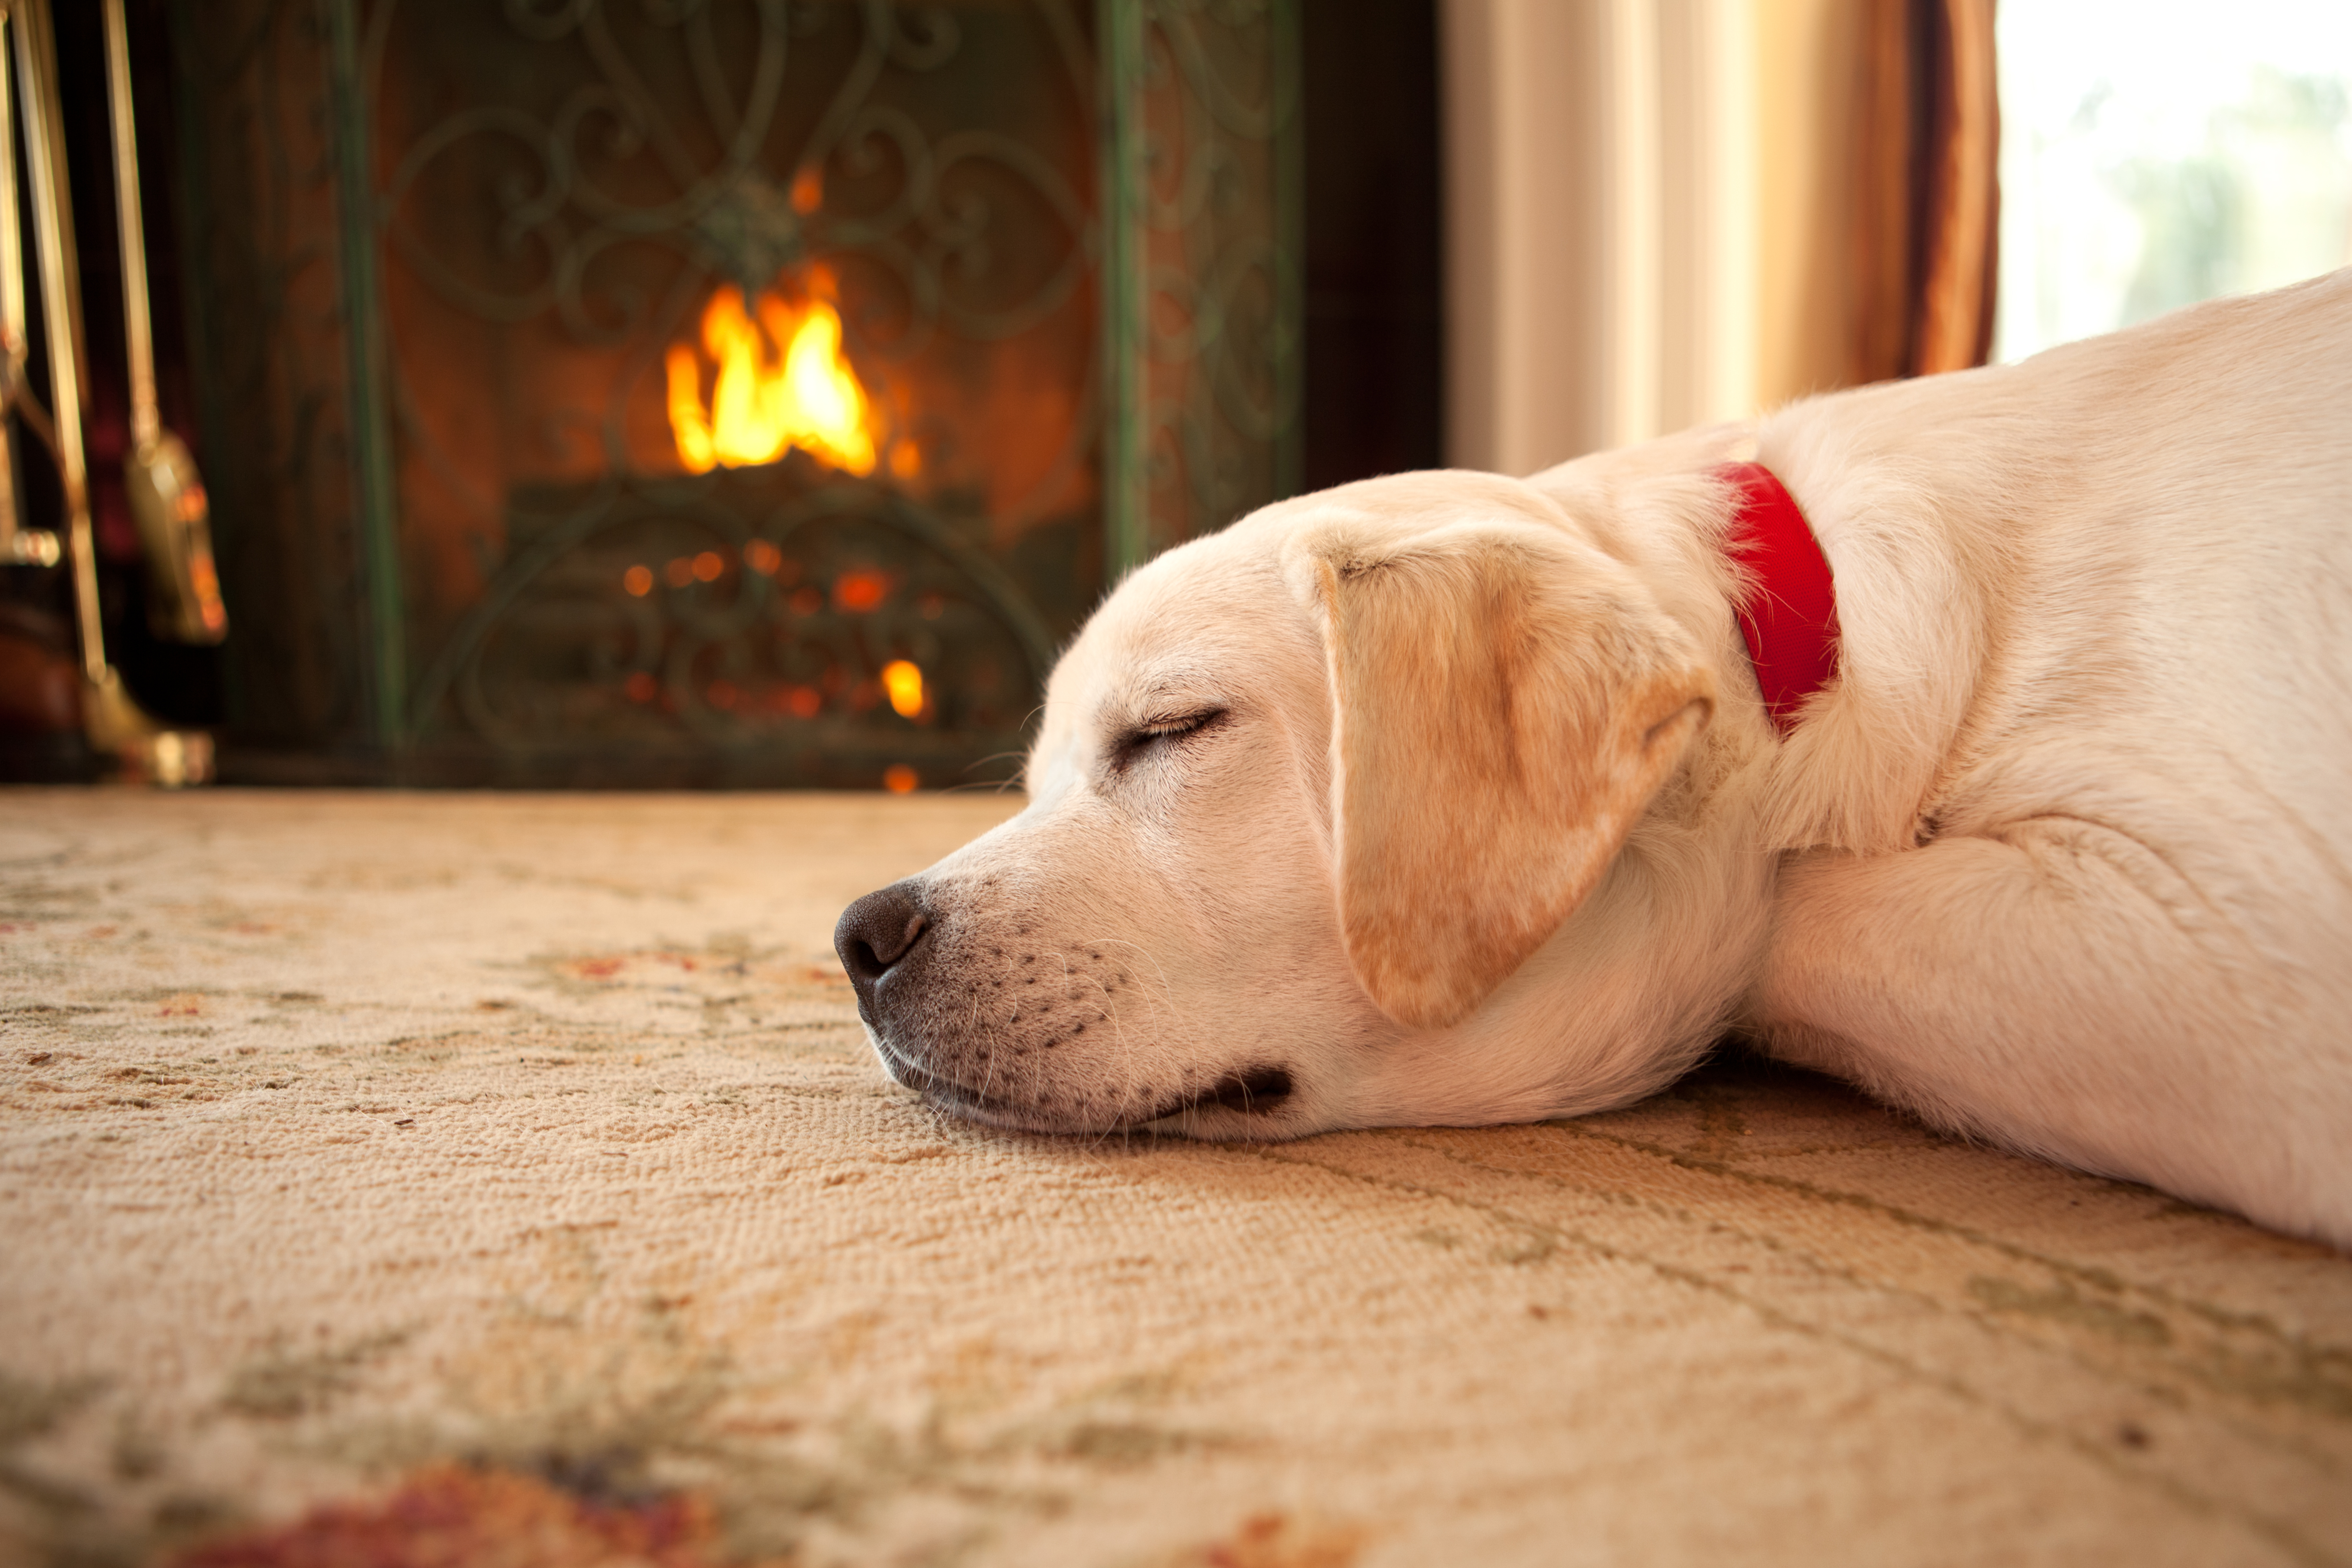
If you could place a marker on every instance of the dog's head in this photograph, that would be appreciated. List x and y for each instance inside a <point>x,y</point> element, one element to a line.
<point>1320,816</point>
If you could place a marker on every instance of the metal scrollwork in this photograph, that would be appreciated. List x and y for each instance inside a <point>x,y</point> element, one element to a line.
<point>728,213</point>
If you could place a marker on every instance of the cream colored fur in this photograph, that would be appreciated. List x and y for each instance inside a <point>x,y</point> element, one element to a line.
<point>1491,824</point>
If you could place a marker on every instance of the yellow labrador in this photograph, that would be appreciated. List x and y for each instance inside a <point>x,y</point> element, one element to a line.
<point>1449,798</point>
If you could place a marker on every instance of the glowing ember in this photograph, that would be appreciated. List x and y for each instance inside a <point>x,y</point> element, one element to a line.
<point>782,382</point>
<point>903,682</point>
<point>861,591</point>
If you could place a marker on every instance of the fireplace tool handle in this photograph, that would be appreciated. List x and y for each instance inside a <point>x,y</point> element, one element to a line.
<point>167,497</point>
<point>19,545</point>
<point>111,720</point>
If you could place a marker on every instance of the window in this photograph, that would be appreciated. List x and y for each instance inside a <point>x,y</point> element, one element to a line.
<point>2156,154</point>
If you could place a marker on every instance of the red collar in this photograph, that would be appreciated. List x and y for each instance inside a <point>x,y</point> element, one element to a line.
<point>1788,614</point>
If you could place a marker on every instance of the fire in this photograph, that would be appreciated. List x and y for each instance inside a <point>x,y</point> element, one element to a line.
<point>782,382</point>
<point>902,681</point>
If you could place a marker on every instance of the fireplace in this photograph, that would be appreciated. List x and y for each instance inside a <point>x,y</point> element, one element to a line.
<point>737,392</point>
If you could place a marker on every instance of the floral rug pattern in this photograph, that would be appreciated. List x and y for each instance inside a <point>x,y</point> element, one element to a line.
<point>443,1181</point>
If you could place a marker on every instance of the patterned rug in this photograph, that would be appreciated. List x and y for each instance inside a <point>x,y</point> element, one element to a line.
<point>504,1183</point>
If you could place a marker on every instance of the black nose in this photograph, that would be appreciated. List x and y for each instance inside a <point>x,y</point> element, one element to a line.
<point>875,933</point>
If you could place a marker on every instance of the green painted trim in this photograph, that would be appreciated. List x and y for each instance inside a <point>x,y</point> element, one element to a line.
<point>1127,483</point>
<point>375,496</point>
<point>1289,86</point>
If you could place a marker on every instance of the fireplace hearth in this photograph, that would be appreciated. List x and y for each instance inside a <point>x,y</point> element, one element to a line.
<point>734,392</point>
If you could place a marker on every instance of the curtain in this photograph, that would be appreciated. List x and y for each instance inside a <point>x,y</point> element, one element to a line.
<point>1926,198</point>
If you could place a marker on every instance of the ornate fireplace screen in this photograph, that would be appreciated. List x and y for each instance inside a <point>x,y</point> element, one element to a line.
<point>688,391</point>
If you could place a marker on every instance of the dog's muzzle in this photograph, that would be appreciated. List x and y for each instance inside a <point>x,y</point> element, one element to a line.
<point>976,1019</point>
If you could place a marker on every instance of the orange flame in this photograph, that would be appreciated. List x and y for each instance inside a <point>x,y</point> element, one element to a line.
<point>782,382</point>
<point>902,681</point>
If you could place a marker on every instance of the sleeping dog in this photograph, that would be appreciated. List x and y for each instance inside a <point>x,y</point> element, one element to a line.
<point>1985,740</point>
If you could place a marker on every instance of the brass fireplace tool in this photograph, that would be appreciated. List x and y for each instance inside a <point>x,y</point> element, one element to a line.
<point>167,498</point>
<point>167,501</point>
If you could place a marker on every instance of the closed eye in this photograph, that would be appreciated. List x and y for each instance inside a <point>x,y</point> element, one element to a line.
<point>1158,734</point>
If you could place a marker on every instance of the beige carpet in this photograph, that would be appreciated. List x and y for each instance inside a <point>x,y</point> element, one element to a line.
<point>395,1180</point>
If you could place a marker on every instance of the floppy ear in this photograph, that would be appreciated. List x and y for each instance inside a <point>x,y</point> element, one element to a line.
<point>1506,702</point>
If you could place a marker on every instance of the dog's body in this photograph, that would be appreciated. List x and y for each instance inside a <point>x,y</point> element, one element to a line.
<point>1450,798</point>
